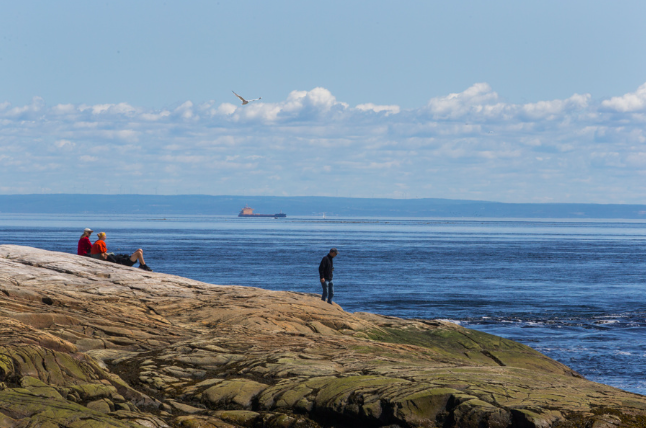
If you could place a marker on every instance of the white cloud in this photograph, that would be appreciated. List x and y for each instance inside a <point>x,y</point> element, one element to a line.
<point>224,108</point>
<point>299,105</point>
<point>85,124</point>
<point>472,100</point>
<point>64,144</point>
<point>468,144</point>
<point>196,159</point>
<point>185,111</point>
<point>155,116</point>
<point>633,101</point>
<point>63,109</point>
<point>127,134</point>
<point>36,106</point>
<point>114,109</point>
<point>319,98</point>
<point>378,109</point>
<point>553,109</point>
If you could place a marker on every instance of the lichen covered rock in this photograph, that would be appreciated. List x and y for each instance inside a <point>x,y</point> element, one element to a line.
<point>85,343</point>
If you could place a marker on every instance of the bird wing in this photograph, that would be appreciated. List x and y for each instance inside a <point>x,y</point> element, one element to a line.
<point>242,99</point>
<point>256,99</point>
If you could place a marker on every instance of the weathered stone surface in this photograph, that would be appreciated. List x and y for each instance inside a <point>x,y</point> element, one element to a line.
<point>237,392</point>
<point>103,406</point>
<point>85,343</point>
<point>202,422</point>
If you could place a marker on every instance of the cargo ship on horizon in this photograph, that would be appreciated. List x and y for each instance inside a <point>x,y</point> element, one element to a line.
<point>248,212</point>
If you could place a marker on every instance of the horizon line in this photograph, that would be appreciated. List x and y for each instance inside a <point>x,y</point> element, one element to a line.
<point>317,196</point>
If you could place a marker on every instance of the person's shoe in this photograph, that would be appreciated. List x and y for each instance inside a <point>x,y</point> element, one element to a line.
<point>329,302</point>
<point>145,267</point>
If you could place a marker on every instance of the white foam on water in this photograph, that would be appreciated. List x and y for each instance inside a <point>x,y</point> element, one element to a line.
<point>451,321</point>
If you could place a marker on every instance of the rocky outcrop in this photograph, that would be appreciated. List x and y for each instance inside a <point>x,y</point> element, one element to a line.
<point>85,343</point>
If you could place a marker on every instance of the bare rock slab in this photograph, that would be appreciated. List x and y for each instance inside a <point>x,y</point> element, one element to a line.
<point>85,343</point>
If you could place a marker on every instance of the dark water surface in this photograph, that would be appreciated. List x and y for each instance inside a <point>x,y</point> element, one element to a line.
<point>573,290</point>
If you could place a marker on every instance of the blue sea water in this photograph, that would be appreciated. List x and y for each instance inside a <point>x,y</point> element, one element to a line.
<point>573,290</point>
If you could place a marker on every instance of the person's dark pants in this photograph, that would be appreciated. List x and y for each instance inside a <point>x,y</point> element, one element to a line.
<point>328,291</point>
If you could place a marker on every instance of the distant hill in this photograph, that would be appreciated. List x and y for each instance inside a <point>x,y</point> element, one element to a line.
<point>306,205</point>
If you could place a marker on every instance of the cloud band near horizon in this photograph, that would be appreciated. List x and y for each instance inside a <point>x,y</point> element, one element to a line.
<point>467,145</point>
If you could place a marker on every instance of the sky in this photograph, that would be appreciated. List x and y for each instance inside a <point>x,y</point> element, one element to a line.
<point>534,101</point>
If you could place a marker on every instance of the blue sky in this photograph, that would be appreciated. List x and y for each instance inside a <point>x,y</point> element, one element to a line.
<point>506,101</point>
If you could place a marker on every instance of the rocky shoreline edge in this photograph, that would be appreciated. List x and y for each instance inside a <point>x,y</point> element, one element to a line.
<point>87,344</point>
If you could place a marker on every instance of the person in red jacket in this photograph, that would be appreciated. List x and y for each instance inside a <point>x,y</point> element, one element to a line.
<point>100,251</point>
<point>85,245</point>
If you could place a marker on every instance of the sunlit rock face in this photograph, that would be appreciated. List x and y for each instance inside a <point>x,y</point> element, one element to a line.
<point>85,343</point>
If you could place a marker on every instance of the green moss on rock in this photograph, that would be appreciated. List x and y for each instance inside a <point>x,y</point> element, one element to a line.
<point>23,405</point>
<point>334,393</point>
<point>242,418</point>
<point>94,391</point>
<point>423,405</point>
<point>238,392</point>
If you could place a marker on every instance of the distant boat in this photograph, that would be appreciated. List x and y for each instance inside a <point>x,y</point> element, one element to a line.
<point>248,212</point>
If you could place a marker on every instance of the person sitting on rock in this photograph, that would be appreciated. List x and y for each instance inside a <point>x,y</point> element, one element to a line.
<point>85,245</point>
<point>100,251</point>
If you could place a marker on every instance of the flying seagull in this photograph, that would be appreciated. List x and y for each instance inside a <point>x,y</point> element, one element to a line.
<point>245,101</point>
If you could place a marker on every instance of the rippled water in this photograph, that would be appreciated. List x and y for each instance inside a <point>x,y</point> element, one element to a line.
<point>573,290</point>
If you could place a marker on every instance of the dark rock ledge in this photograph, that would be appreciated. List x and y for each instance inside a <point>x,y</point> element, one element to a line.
<point>90,344</point>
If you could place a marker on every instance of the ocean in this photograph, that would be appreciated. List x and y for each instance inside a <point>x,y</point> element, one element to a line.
<point>573,290</point>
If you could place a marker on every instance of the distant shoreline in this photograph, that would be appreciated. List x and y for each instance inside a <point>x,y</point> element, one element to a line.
<point>310,206</point>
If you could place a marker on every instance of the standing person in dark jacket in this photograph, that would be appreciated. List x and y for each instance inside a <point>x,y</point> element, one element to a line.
<point>326,269</point>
